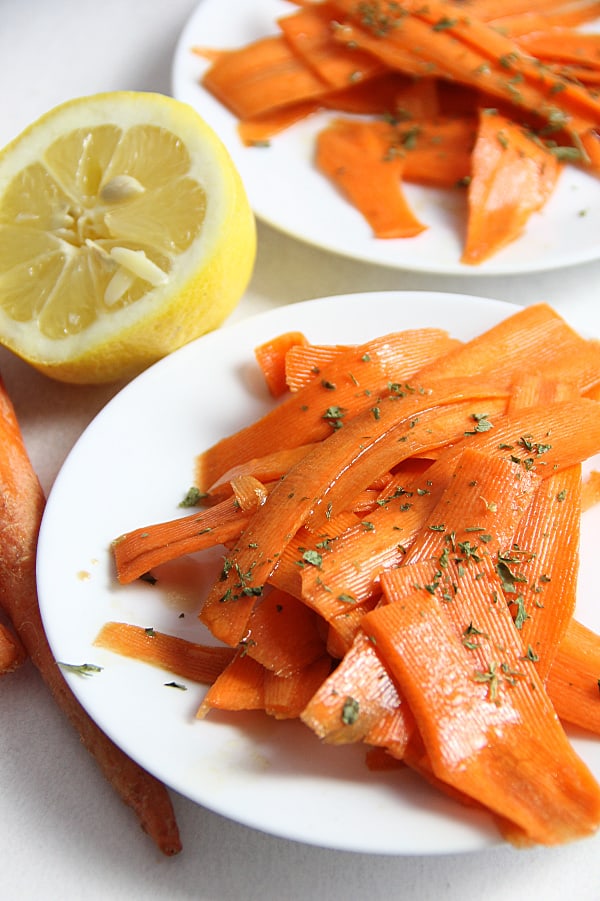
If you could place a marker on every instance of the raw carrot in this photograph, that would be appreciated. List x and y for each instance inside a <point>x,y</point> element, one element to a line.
<point>12,652</point>
<point>287,696</point>
<point>241,686</point>
<point>198,662</point>
<point>21,507</point>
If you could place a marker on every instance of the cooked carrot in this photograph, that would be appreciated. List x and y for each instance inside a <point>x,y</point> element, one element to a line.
<point>512,177</point>
<point>287,696</point>
<point>563,45</point>
<point>261,77</point>
<point>268,468</point>
<point>353,156</point>
<point>574,682</point>
<point>257,131</point>
<point>198,662</point>
<point>12,652</point>
<point>271,355</point>
<point>483,714</point>
<point>345,386</point>
<point>283,634</point>
<point>323,483</point>
<point>353,698</point>
<point>528,22</point>
<point>309,31</point>
<point>140,550</point>
<point>21,507</point>
<point>392,94</point>
<point>241,686</point>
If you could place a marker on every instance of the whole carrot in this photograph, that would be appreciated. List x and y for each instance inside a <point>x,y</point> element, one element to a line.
<point>21,505</point>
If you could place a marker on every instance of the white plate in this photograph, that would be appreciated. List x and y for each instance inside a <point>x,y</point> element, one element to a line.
<point>131,467</point>
<point>287,192</point>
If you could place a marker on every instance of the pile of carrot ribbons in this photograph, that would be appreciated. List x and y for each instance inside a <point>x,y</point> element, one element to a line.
<point>487,97</point>
<point>401,547</point>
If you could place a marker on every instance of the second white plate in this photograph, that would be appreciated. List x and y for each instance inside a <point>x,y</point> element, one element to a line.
<point>287,192</point>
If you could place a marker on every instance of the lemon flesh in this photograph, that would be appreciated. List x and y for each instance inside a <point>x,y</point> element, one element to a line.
<point>125,232</point>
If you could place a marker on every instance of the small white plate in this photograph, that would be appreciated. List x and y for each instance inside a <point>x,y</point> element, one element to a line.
<point>131,467</point>
<point>287,191</point>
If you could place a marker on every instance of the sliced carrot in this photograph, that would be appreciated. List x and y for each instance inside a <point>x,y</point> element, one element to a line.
<point>283,634</point>
<point>563,45</point>
<point>573,681</point>
<point>239,687</point>
<point>489,730</point>
<point>271,356</point>
<point>527,22</point>
<point>266,469</point>
<point>261,77</point>
<point>345,386</point>
<point>310,32</point>
<point>198,662</point>
<point>257,131</point>
<point>352,699</point>
<point>512,177</point>
<point>353,156</point>
<point>392,94</point>
<point>138,551</point>
<point>287,696</point>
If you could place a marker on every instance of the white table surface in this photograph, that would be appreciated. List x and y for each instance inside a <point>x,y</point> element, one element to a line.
<point>65,834</point>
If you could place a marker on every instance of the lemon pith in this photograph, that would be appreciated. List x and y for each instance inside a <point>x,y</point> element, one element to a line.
<point>125,232</point>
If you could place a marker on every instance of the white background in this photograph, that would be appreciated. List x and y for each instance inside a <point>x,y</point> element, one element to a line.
<point>65,835</point>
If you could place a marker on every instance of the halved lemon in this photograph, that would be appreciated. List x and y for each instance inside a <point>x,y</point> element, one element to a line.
<point>125,232</point>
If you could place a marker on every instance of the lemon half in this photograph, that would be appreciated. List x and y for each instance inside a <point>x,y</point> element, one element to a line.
<point>125,232</point>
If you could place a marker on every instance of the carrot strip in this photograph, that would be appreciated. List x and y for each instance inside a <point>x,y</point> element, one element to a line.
<point>345,386</point>
<point>287,696</point>
<point>268,468</point>
<point>489,730</point>
<point>322,484</point>
<point>573,678</point>
<point>283,634</point>
<point>353,156</point>
<point>353,698</point>
<point>21,505</point>
<point>261,77</point>
<point>198,662</point>
<point>309,32</point>
<point>512,177</point>
<point>258,130</point>
<point>541,568</point>
<point>241,686</point>
<point>525,23</point>
<point>271,355</point>
<point>563,45</point>
<point>140,550</point>
<point>392,94</point>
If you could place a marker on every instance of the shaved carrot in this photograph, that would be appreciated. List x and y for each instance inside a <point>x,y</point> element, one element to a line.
<point>198,662</point>
<point>573,679</point>
<point>21,507</point>
<point>271,356</point>
<point>440,677</point>
<point>512,177</point>
<point>344,387</point>
<point>353,156</point>
<point>287,696</point>
<point>241,686</point>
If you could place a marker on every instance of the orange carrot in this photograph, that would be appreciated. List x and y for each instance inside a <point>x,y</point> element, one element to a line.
<point>21,507</point>
<point>283,634</point>
<point>573,682</point>
<point>483,714</point>
<point>353,156</point>
<point>344,387</point>
<point>287,696</point>
<point>198,662</point>
<point>270,356</point>
<point>261,77</point>
<point>512,177</point>
<point>256,131</point>
<point>12,652</point>
<point>241,686</point>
